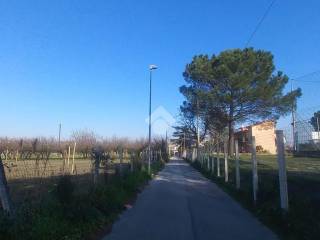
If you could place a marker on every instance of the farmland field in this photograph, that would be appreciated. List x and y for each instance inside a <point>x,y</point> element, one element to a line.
<point>29,179</point>
<point>24,169</point>
<point>301,166</point>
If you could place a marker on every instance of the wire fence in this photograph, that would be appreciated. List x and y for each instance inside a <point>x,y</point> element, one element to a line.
<point>259,180</point>
<point>33,177</point>
<point>302,136</point>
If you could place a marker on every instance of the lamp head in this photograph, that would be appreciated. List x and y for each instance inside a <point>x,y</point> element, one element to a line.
<point>152,67</point>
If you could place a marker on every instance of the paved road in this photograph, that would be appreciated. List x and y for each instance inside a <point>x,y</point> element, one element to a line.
<point>181,204</point>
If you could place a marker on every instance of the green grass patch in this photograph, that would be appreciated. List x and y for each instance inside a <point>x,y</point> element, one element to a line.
<point>303,219</point>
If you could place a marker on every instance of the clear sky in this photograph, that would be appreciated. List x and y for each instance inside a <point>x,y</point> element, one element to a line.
<point>85,63</point>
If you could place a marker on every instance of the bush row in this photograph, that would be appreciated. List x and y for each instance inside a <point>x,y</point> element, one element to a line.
<point>66,213</point>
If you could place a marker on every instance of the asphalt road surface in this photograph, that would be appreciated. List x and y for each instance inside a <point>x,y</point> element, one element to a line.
<point>181,204</point>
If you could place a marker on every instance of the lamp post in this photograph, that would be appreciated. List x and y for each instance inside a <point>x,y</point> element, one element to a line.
<point>151,68</point>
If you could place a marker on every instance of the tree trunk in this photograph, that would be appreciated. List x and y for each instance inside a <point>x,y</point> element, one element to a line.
<point>4,191</point>
<point>231,138</point>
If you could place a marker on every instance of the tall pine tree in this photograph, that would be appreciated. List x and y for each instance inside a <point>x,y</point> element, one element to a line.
<point>241,84</point>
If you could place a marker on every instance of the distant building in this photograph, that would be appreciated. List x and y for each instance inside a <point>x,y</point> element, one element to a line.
<point>264,133</point>
<point>173,149</point>
<point>315,137</point>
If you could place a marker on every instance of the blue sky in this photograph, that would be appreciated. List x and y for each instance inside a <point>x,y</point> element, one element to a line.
<point>85,63</point>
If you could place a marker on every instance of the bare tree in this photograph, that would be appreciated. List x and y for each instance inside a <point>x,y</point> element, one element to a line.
<point>85,140</point>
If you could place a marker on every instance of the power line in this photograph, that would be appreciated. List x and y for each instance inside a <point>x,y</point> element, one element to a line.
<point>260,22</point>
<point>308,74</point>
<point>300,78</point>
<point>305,81</point>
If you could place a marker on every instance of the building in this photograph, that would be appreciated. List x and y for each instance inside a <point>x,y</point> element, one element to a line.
<point>264,133</point>
<point>315,137</point>
<point>173,149</point>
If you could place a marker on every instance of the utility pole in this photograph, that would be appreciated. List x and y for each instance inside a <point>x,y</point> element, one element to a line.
<point>294,144</point>
<point>151,68</point>
<point>198,135</point>
<point>294,130</point>
<point>59,139</point>
<point>166,136</point>
<point>167,144</point>
<point>197,122</point>
<point>184,141</point>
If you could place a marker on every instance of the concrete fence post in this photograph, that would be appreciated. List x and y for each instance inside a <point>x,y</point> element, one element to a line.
<point>218,161</point>
<point>296,143</point>
<point>254,169</point>
<point>226,170</point>
<point>4,191</point>
<point>69,152</point>
<point>73,153</point>
<point>237,163</point>
<point>184,154</point>
<point>17,155</point>
<point>196,153</point>
<point>282,171</point>
<point>201,157</point>
<point>132,156</point>
<point>193,155</point>
<point>120,155</point>
<point>203,160</point>
<point>212,163</point>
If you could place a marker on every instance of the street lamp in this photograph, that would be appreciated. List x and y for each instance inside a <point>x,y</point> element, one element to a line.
<point>151,68</point>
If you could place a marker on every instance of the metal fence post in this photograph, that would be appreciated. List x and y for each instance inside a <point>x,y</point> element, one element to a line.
<point>282,171</point>
<point>237,164</point>
<point>254,169</point>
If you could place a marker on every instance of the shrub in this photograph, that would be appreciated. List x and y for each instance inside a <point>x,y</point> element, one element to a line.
<point>68,214</point>
<point>65,190</point>
<point>5,225</point>
<point>108,199</point>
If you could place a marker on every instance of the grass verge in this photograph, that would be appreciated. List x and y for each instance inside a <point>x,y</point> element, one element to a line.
<point>300,223</point>
<point>69,213</point>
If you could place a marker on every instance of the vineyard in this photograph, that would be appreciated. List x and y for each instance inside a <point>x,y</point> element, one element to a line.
<point>82,183</point>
